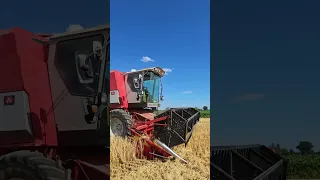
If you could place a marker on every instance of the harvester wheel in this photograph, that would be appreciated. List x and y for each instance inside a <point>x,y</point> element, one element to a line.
<point>120,123</point>
<point>27,165</point>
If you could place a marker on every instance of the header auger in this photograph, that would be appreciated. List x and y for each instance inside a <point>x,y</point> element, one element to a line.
<point>134,96</point>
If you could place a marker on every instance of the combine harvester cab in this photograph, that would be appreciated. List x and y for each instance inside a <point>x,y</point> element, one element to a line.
<point>255,162</point>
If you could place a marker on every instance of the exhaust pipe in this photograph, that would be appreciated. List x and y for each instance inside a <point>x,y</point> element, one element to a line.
<point>170,151</point>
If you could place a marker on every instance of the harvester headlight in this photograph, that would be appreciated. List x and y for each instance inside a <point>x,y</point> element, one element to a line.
<point>94,108</point>
<point>159,71</point>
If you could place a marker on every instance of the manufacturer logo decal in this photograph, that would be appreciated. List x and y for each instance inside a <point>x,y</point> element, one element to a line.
<point>8,100</point>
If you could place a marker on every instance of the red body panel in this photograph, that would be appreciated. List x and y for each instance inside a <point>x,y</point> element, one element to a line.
<point>25,69</point>
<point>117,82</point>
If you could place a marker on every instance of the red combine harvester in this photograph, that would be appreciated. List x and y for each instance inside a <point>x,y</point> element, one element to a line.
<point>52,100</point>
<point>134,96</point>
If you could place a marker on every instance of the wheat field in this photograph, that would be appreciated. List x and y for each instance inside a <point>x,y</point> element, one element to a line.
<point>125,166</point>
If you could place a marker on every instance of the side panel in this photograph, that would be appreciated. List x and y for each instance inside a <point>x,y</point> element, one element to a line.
<point>15,125</point>
<point>114,97</point>
<point>23,68</point>
<point>69,97</point>
<point>117,83</point>
<point>36,84</point>
<point>132,92</point>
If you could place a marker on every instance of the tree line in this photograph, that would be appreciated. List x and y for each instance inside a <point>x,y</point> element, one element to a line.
<point>303,148</point>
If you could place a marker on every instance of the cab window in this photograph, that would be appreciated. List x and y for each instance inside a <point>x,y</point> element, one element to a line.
<point>71,56</point>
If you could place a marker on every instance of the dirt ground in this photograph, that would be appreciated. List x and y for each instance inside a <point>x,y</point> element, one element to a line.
<point>124,165</point>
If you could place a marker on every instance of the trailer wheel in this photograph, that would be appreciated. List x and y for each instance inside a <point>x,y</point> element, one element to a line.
<point>120,123</point>
<point>27,165</point>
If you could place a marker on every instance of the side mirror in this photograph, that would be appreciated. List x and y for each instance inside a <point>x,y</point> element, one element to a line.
<point>140,79</point>
<point>136,83</point>
<point>83,63</point>
<point>85,68</point>
<point>96,48</point>
<point>82,58</point>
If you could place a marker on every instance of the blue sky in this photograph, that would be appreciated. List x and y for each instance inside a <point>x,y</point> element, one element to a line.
<point>36,16</point>
<point>175,35</point>
<point>265,72</point>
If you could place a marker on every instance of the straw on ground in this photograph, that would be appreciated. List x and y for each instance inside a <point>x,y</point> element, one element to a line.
<point>125,166</point>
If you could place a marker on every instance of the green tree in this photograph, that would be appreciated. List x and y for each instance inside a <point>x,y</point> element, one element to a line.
<point>291,151</point>
<point>205,108</point>
<point>305,147</point>
<point>284,152</point>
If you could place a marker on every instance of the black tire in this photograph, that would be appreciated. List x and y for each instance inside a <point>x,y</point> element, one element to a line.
<point>125,118</point>
<point>29,165</point>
